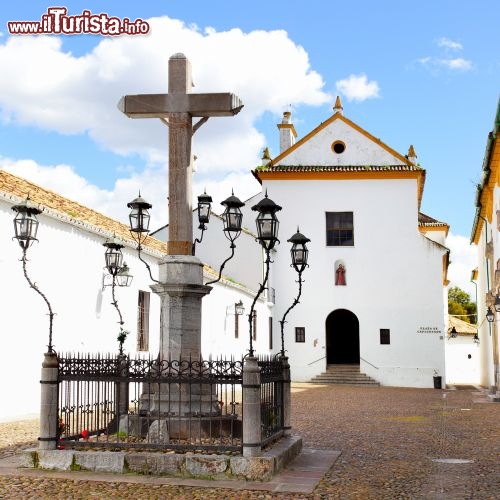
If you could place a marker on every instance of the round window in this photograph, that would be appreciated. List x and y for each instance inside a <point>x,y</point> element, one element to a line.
<point>338,147</point>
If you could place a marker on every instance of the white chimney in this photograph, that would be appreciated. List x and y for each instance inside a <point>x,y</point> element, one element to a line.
<point>287,132</point>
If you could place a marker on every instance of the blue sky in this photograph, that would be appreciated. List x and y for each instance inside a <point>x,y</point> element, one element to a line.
<point>423,73</point>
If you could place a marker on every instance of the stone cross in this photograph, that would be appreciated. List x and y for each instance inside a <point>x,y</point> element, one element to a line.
<point>180,286</point>
<point>177,109</point>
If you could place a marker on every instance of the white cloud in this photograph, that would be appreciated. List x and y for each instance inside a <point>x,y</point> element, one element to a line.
<point>79,94</point>
<point>457,64</point>
<point>75,95</point>
<point>152,182</point>
<point>449,44</point>
<point>436,63</point>
<point>463,258</point>
<point>358,88</point>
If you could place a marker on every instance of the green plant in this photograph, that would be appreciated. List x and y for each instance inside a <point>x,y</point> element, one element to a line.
<point>35,459</point>
<point>121,338</point>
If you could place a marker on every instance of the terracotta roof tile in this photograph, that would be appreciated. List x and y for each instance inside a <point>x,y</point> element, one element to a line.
<point>74,212</point>
<point>428,221</point>
<point>334,168</point>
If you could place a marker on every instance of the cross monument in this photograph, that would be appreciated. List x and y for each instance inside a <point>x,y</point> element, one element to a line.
<point>181,274</point>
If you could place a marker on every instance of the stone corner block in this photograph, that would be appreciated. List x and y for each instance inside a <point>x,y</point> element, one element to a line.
<point>284,451</point>
<point>29,458</point>
<point>100,461</point>
<point>253,468</point>
<point>154,463</point>
<point>205,465</point>
<point>55,459</point>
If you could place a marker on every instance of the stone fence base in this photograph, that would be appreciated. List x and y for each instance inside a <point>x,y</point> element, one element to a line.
<point>262,468</point>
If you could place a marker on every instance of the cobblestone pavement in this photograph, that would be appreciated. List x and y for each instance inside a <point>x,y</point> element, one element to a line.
<point>395,444</point>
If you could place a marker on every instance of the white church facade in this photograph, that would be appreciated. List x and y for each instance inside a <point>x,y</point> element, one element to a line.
<point>374,294</point>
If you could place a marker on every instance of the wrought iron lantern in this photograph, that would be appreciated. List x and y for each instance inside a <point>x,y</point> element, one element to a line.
<point>490,315</point>
<point>123,276</point>
<point>267,236</point>
<point>113,256</point>
<point>232,217</point>
<point>25,228</point>
<point>239,308</point>
<point>204,209</point>
<point>139,225</point>
<point>497,303</point>
<point>300,255</point>
<point>453,333</point>
<point>299,251</point>
<point>139,216</point>
<point>26,223</point>
<point>267,222</point>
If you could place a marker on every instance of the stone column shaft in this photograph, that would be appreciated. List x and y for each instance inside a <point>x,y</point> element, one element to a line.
<point>181,290</point>
<point>48,403</point>
<point>251,408</point>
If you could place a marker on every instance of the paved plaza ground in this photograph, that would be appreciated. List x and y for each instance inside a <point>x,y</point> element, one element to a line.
<point>381,443</point>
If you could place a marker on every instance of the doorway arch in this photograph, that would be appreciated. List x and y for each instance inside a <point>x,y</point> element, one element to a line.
<point>342,337</point>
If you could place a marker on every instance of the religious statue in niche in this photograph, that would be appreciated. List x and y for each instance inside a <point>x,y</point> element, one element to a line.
<point>340,275</point>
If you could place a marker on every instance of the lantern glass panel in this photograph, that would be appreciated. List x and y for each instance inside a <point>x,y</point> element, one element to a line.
<point>299,255</point>
<point>123,277</point>
<point>267,230</point>
<point>114,259</point>
<point>25,226</point>
<point>232,219</point>
<point>240,308</point>
<point>139,220</point>
<point>203,212</point>
<point>490,316</point>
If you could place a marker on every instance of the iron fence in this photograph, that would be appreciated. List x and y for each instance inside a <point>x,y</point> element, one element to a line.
<point>117,402</point>
<point>271,399</point>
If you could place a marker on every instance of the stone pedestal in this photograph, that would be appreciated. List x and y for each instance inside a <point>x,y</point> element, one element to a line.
<point>181,290</point>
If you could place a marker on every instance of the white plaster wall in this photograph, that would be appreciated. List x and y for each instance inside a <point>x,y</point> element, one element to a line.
<point>360,150</point>
<point>437,236</point>
<point>218,318</point>
<point>484,328</point>
<point>394,278</point>
<point>67,265</point>
<point>246,265</point>
<point>460,369</point>
<point>492,344</point>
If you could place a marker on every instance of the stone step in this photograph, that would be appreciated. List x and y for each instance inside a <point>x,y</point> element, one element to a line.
<point>344,374</point>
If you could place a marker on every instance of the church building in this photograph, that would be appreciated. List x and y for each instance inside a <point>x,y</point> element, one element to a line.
<point>374,294</point>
